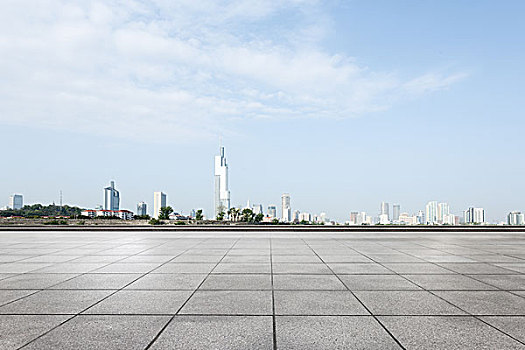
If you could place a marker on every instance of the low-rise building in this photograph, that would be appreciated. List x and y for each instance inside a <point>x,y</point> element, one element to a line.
<point>121,214</point>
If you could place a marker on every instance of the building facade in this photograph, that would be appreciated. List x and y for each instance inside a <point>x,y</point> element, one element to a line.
<point>222,192</point>
<point>385,210</point>
<point>474,215</point>
<point>111,198</point>
<point>396,211</point>
<point>516,218</point>
<point>121,214</point>
<point>286,209</point>
<point>16,201</point>
<point>272,211</point>
<point>142,209</point>
<point>431,213</point>
<point>159,201</point>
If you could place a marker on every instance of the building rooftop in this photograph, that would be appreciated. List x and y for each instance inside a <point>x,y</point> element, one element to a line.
<point>262,290</point>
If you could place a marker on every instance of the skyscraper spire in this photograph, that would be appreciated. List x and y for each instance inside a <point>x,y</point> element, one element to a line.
<point>222,193</point>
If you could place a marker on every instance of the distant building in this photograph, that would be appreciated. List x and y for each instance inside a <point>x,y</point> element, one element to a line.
<point>420,218</point>
<point>385,210</point>
<point>383,219</point>
<point>443,212</point>
<point>111,198</point>
<point>16,201</point>
<point>122,214</point>
<point>142,209</point>
<point>272,211</point>
<point>286,209</point>
<point>431,213</point>
<point>353,218</point>
<point>159,201</point>
<point>396,211</point>
<point>474,215</point>
<point>516,218</point>
<point>323,218</point>
<point>405,219</point>
<point>222,193</point>
<point>304,217</point>
<point>295,216</point>
<point>257,209</point>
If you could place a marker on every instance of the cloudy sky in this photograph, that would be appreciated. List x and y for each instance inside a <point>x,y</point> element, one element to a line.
<point>343,104</point>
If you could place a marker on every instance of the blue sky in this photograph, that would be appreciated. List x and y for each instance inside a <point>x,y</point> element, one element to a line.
<point>343,104</point>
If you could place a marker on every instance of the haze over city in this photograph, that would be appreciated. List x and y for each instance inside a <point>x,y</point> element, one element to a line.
<point>343,105</point>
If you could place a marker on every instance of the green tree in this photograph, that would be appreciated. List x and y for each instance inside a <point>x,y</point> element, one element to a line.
<point>247,215</point>
<point>220,216</point>
<point>258,218</point>
<point>165,213</point>
<point>233,213</point>
<point>198,215</point>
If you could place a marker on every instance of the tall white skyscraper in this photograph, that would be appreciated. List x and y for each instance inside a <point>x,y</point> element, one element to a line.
<point>159,201</point>
<point>431,213</point>
<point>385,209</point>
<point>222,193</point>
<point>111,198</point>
<point>286,209</point>
<point>142,208</point>
<point>16,201</point>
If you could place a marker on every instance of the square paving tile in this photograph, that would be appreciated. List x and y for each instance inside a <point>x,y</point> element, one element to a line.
<point>478,268</point>
<point>34,281</point>
<point>512,325</point>
<point>98,281</point>
<point>9,295</point>
<point>18,330</point>
<point>448,282</point>
<point>217,332</point>
<point>446,332</point>
<point>359,268</point>
<point>417,268</point>
<point>238,282</point>
<point>331,332</point>
<point>128,268</point>
<point>317,303</point>
<point>486,302</point>
<point>505,282</point>
<point>185,268</point>
<point>406,303</point>
<point>141,302</point>
<point>377,282</point>
<point>229,303</point>
<point>242,268</point>
<point>54,302</point>
<point>168,281</point>
<point>305,268</point>
<point>307,282</point>
<point>102,332</point>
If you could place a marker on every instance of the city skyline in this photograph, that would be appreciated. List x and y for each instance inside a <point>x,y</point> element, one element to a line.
<point>343,105</point>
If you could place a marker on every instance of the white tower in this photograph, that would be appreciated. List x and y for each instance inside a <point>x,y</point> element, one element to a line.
<point>286,209</point>
<point>111,198</point>
<point>222,193</point>
<point>159,201</point>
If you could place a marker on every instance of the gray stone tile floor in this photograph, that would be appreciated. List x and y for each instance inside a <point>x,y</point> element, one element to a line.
<point>261,290</point>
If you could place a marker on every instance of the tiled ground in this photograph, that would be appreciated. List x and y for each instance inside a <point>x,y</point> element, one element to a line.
<point>262,290</point>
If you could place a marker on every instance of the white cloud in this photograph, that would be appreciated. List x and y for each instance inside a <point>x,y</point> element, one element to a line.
<point>180,70</point>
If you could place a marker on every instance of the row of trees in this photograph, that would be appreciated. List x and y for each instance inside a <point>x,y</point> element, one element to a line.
<point>39,210</point>
<point>238,215</point>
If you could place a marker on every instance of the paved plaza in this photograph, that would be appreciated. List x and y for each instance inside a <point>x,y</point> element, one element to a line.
<point>262,290</point>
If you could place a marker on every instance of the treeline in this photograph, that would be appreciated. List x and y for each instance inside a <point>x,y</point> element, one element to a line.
<point>39,210</point>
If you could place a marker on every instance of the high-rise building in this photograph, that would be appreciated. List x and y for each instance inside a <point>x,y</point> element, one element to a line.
<point>257,209</point>
<point>16,201</point>
<point>396,210</point>
<point>159,201</point>
<point>306,217</point>
<point>385,210</point>
<point>272,211</point>
<point>142,209</point>
<point>295,215</point>
<point>420,218</point>
<point>222,193</point>
<point>474,215</point>
<point>111,198</point>
<point>431,213</point>
<point>516,218</point>
<point>443,212</point>
<point>353,218</point>
<point>286,209</point>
